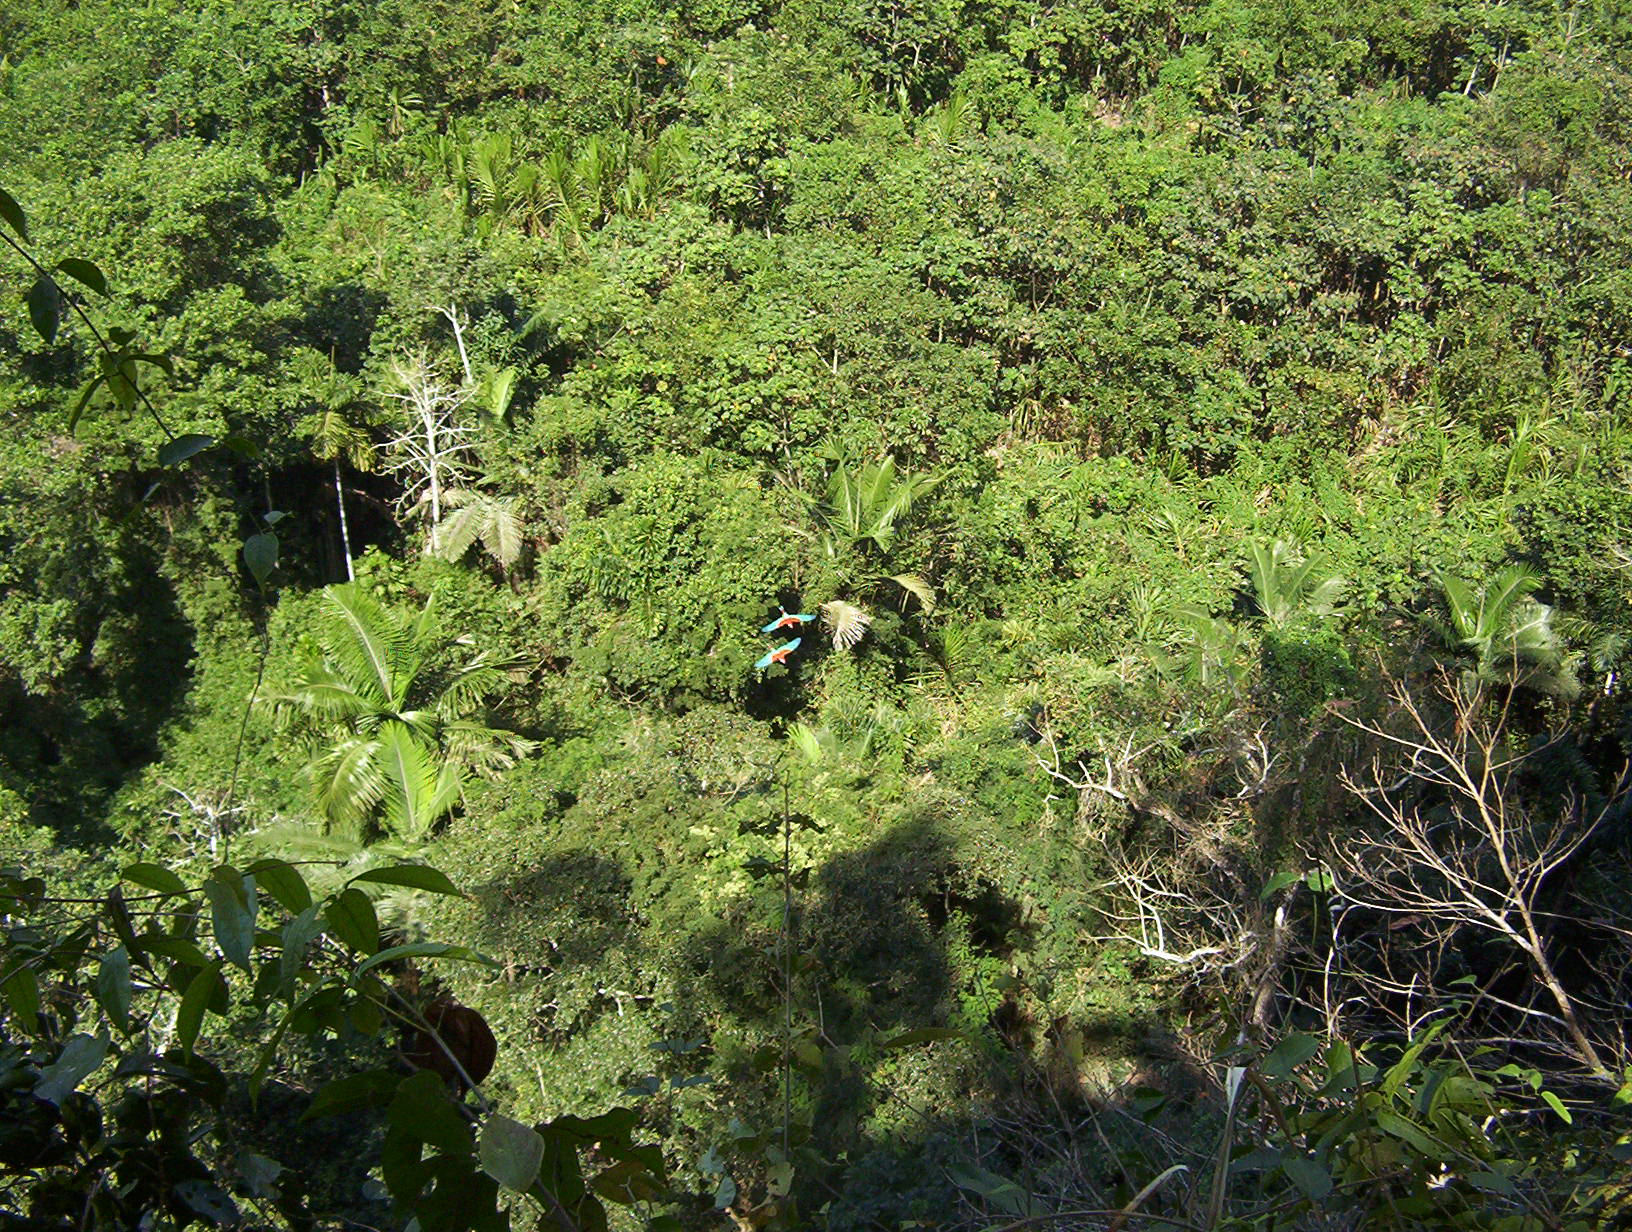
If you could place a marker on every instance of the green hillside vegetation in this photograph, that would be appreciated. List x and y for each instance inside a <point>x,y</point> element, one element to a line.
<point>1197,433</point>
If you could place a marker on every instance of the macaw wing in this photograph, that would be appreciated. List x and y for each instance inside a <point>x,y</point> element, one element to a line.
<point>803,618</point>
<point>791,646</point>
<point>765,661</point>
<point>775,625</point>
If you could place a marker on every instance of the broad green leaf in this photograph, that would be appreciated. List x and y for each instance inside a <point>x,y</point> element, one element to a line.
<point>1397,1126</point>
<point>1492,1182</point>
<point>259,1174</point>
<point>629,1181</point>
<point>423,1109</point>
<point>208,1202</point>
<point>84,273</point>
<point>13,214</point>
<point>725,1193</point>
<point>1309,1176</point>
<point>233,918</point>
<point>199,994</point>
<point>1557,1105</point>
<point>351,919</point>
<point>77,1061</point>
<point>1279,882</point>
<point>1287,1055</point>
<point>297,938</point>
<point>22,990</point>
<point>510,1152</point>
<point>155,877</point>
<point>419,876</point>
<point>261,556</point>
<point>178,948</point>
<point>241,445</point>
<point>113,987</point>
<point>283,882</point>
<point>184,447</point>
<point>370,1089</point>
<point>44,307</point>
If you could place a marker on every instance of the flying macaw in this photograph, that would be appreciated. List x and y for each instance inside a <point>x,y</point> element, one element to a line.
<point>788,620</point>
<point>780,654</point>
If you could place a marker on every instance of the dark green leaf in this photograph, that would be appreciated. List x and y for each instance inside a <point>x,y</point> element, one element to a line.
<point>184,447</point>
<point>199,994</point>
<point>297,938</point>
<point>370,1089</point>
<point>261,556</point>
<point>283,882</point>
<point>1308,1176</point>
<point>178,948</point>
<point>155,877</point>
<point>84,273</point>
<point>207,1202</point>
<point>241,445</point>
<point>1492,1182</point>
<point>419,876</point>
<point>113,987</point>
<point>725,1193</point>
<point>234,922</point>
<point>423,1109</point>
<point>259,1174</point>
<point>511,1152</point>
<point>44,307</point>
<point>22,989</point>
<point>1287,1055</point>
<point>13,214</point>
<point>77,1062</point>
<point>351,919</point>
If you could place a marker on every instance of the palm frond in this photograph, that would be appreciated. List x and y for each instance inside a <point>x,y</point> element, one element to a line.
<point>913,585</point>
<point>365,641</point>
<point>347,781</point>
<point>846,623</point>
<point>420,787</point>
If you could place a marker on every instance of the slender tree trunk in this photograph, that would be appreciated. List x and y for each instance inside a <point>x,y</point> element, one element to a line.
<point>436,484</point>
<point>345,532</point>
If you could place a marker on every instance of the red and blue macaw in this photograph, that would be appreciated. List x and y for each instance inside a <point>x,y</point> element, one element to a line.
<point>788,620</point>
<point>780,654</point>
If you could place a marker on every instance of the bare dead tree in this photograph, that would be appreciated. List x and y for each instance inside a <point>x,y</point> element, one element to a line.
<point>1459,842</point>
<point>431,448</point>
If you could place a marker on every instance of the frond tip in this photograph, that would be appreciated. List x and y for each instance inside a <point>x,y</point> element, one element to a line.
<point>846,623</point>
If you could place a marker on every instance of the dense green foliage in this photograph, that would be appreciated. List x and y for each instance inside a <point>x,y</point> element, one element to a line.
<point>1198,432</point>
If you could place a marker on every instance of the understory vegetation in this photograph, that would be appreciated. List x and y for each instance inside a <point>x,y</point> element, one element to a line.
<point>1188,439</point>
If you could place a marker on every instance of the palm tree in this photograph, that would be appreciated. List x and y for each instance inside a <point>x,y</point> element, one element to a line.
<point>392,737</point>
<point>337,427</point>
<point>860,511</point>
<point>480,517</point>
<point>1284,583</point>
<point>1513,638</point>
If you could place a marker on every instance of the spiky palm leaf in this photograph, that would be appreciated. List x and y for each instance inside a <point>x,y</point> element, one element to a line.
<point>846,623</point>
<point>1514,638</point>
<point>419,786</point>
<point>393,739</point>
<point>479,517</point>
<point>1284,583</point>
